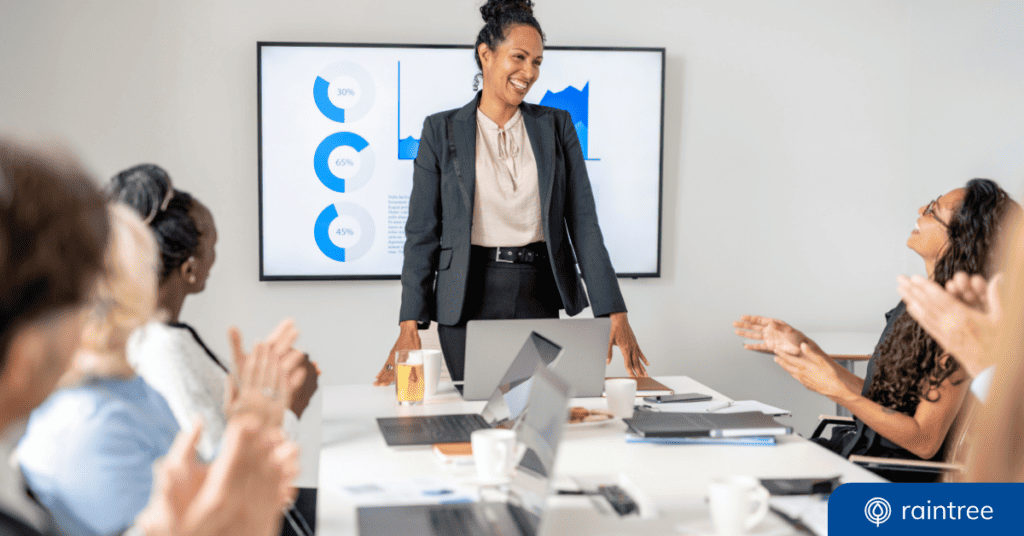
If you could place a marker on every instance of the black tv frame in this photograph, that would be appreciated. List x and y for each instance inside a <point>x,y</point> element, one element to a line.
<point>383,277</point>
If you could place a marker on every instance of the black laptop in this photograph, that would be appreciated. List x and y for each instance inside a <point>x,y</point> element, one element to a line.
<point>502,409</point>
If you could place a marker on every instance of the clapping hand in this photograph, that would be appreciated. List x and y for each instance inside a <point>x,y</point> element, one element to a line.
<point>191,498</point>
<point>257,385</point>
<point>775,335</point>
<point>813,370</point>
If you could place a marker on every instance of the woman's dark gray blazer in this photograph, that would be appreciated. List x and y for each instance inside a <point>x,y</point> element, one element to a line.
<point>437,233</point>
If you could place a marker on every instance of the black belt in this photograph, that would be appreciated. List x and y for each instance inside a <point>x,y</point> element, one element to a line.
<point>529,253</point>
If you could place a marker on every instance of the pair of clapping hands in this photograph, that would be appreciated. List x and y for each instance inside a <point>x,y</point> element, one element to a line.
<point>797,354</point>
<point>298,374</point>
<point>246,487</point>
<point>963,317</point>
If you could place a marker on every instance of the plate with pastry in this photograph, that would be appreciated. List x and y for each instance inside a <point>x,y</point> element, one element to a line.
<point>580,417</point>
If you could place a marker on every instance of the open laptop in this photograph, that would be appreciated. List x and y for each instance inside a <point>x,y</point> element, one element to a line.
<point>491,345</point>
<point>540,430</point>
<point>506,403</point>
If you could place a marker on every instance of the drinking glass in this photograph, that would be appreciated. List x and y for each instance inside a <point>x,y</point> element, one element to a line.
<point>409,377</point>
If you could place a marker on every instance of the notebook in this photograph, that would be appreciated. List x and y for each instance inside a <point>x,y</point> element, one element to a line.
<point>648,386</point>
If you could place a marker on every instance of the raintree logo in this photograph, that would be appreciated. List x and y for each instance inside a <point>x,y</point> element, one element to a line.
<point>877,511</point>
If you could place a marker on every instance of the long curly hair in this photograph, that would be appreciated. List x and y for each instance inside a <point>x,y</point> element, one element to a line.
<point>911,364</point>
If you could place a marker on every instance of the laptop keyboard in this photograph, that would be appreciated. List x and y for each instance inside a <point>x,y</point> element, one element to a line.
<point>456,426</point>
<point>455,522</point>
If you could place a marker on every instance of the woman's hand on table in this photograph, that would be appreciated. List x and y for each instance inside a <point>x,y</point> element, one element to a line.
<point>408,339</point>
<point>623,337</point>
<point>775,335</point>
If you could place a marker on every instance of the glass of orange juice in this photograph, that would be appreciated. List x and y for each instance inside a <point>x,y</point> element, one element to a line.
<point>409,380</point>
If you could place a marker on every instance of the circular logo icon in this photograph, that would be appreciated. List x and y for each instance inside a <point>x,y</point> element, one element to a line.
<point>877,511</point>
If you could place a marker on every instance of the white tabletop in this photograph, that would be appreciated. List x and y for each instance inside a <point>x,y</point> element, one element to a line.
<point>672,478</point>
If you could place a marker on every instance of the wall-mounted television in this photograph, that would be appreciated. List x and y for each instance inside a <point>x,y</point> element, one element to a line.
<point>339,127</point>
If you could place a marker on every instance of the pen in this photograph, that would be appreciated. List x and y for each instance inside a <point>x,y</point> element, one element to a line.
<point>717,407</point>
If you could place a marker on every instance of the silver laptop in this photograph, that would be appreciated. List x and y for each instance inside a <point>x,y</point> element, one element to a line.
<point>540,430</point>
<point>492,344</point>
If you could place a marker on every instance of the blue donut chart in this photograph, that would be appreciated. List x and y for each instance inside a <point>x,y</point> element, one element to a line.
<point>323,102</point>
<point>322,156</point>
<point>322,232</point>
<point>322,86</point>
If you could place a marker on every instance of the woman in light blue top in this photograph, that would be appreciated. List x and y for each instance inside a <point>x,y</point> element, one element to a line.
<point>89,450</point>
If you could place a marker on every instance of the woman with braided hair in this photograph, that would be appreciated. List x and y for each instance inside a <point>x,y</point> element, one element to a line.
<point>501,210</point>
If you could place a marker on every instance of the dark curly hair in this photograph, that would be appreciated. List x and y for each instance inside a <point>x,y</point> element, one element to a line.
<point>145,188</point>
<point>908,352</point>
<point>500,16</point>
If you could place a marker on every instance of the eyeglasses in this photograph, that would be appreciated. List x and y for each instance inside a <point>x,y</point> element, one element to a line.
<point>929,210</point>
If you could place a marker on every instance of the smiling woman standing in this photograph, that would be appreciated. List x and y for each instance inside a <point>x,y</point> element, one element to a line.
<point>501,209</point>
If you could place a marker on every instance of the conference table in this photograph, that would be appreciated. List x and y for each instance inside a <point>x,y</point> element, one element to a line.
<point>668,481</point>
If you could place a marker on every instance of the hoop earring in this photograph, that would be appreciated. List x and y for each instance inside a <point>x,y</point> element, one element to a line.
<point>476,81</point>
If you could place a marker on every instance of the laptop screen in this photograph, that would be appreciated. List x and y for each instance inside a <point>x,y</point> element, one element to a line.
<point>511,396</point>
<point>540,431</point>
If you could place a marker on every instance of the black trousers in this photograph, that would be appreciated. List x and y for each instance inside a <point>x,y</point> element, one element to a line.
<point>499,290</point>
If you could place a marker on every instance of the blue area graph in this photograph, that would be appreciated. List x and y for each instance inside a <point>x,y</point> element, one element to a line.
<point>409,147</point>
<point>577,103</point>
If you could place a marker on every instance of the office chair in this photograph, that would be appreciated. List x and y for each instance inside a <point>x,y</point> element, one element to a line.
<point>904,470</point>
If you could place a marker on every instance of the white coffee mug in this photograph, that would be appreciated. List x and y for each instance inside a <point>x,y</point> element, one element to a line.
<point>431,371</point>
<point>737,503</point>
<point>621,394</point>
<point>494,453</point>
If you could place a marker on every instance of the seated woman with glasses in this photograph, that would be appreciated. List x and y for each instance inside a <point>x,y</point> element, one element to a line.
<point>913,389</point>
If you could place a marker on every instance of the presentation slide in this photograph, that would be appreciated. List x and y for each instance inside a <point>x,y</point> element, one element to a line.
<point>340,128</point>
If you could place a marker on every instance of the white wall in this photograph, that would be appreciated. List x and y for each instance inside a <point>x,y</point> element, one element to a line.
<point>801,136</point>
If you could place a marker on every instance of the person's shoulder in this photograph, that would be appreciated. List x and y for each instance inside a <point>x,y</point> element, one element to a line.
<point>158,335</point>
<point>538,110</point>
<point>68,421</point>
<point>160,342</point>
<point>441,117</point>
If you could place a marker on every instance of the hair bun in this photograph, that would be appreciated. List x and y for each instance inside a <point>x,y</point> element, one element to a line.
<point>493,10</point>
<point>146,187</point>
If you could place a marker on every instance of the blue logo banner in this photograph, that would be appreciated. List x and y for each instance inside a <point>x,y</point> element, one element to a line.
<point>932,509</point>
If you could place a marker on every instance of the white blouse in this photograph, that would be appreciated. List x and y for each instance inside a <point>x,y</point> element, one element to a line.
<point>174,363</point>
<point>506,207</point>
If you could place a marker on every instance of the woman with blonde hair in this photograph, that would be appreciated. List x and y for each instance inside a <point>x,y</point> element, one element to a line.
<point>89,450</point>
